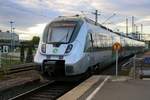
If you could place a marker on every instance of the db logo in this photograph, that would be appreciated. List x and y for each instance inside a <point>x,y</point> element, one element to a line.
<point>55,50</point>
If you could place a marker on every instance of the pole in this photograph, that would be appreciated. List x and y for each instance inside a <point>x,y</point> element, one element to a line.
<point>141,31</point>
<point>11,30</point>
<point>116,62</point>
<point>141,28</point>
<point>13,38</point>
<point>11,47</point>
<point>0,57</point>
<point>136,29</point>
<point>127,26</point>
<point>132,24</point>
<point>134,66</point>
<point>96,16</point>
<point>137,32</point>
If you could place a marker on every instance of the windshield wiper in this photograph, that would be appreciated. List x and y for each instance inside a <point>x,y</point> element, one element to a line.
<point>67,34</point>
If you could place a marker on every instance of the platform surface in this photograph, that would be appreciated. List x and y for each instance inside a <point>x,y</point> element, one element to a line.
<point>115,88</point>
<point>82,88</point>
<point>127,90</point>
<point>111,88</point>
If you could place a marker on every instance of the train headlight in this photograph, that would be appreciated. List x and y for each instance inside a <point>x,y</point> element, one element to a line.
<point>43,48</point>
<point>69,47</point>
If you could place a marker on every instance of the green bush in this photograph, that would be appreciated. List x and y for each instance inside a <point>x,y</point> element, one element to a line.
<point>29,57</point>
<point>22,53</point>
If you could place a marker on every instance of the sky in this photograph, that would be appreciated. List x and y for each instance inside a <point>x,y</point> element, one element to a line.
<point>31,16</point>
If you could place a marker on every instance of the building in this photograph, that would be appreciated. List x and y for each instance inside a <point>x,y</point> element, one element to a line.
<point>8,39</point>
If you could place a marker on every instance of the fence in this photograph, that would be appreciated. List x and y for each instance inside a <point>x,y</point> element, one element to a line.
<point>18,56</point>
<point>141,67</point>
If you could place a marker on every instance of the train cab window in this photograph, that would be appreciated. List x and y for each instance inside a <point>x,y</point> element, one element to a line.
<point>63,31</point>
<point>60,32</point>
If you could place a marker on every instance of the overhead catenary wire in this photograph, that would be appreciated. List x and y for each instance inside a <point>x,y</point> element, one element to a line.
<point>85,13</point>
<point>109,18</point>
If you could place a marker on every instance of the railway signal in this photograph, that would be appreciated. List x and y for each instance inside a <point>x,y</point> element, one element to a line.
<point>116,47</point>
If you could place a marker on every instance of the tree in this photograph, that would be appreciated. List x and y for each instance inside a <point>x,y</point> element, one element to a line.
<point>29,57</point>
<point>35,40</point>
<point>22,53</point>
<point>31,45</point>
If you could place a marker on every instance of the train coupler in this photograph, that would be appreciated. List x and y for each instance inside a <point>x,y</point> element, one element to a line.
<point>54,68</point>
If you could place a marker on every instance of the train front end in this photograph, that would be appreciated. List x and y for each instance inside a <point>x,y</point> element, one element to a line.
<point>58,48</point>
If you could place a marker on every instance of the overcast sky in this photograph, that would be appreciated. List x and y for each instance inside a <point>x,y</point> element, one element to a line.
<point>31,16</point>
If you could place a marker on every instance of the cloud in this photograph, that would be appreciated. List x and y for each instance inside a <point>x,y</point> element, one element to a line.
<point>31,15</point>
<point>38,29</point>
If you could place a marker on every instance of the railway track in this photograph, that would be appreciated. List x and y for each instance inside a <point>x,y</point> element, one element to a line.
<point>111,69</point>
<point>48,91</point>
<point>53,89</point>
<point>20,68</point>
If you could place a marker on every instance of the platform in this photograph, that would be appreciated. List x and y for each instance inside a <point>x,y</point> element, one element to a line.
<point>127,90</point>
<point>78,91</point>
<point>110,88</point>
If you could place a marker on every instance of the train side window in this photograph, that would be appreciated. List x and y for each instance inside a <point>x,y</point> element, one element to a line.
<point>88,44</point>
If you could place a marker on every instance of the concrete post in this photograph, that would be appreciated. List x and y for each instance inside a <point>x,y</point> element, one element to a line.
<point>116,62</point>
<point>0,57</point>
<point>134,66</point>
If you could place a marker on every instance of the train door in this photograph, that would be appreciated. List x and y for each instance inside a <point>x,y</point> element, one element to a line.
<point>89,49</point>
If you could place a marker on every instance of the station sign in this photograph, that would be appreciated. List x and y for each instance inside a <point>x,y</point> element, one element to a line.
<point>116,46</point>
<point>5,49</point>
<point>147,60</point>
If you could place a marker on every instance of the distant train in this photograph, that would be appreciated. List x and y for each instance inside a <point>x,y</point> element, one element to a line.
<point>73,45</point>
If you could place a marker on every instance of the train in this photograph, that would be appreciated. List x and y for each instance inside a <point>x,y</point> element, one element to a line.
<point>72,45</point>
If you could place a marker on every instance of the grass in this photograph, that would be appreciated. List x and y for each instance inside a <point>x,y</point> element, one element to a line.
<point>125,72</point>
<point>9,62</point>
<point>6,64</point>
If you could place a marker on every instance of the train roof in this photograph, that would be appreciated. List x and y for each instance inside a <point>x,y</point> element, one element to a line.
<point>69,18</point>
<point>80,17</point>
<point>100,25</point>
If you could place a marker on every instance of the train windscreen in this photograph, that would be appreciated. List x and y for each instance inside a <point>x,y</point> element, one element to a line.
<point>60,32</point>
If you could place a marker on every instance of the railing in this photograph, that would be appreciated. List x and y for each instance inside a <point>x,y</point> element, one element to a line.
<point>141,67</point>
